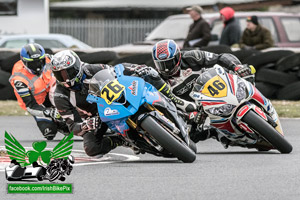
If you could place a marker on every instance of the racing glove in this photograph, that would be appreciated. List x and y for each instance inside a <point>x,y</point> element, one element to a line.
<point>143,70</point>
<point>53,113</point>
<point>198,117</point>
<point>90,124</point>
<point>244,70</point>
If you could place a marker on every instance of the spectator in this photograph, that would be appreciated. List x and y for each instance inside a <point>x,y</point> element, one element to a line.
<point>199,32</point>
<point>231,32</point>
<point>255,36</point>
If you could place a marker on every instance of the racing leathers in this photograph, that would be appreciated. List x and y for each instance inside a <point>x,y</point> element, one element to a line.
<point>82,117</point>
<point>34,94</point>
<point>192,65</point>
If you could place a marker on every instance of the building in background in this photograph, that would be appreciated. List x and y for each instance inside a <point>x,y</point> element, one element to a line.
<point>24,16</point>
<point>108,23</point>
<point>158,9</point>
<point>105,23</point>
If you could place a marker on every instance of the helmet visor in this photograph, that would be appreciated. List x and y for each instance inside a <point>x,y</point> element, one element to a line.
<point>35,65</point>
<point>65,75</point>
<point>168,67</point>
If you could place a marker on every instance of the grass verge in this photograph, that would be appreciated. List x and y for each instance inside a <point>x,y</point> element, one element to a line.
<point>11,108</point>
<point>284,108</point>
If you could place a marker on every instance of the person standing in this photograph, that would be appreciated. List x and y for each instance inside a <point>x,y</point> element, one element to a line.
<point>199,31</point>
<point>231,32</point>
<point>255,36</point>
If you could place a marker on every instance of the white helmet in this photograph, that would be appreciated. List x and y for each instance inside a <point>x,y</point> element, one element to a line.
<point>67,68</point>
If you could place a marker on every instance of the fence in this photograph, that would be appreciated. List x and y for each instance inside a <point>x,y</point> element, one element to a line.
<point>104,32</point>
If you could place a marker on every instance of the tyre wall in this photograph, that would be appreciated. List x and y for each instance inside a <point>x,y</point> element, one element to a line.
<point>9,58</point>
<point>277,76</point>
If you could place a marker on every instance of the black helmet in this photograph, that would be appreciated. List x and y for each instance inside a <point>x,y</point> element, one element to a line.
<point>167,57</point>
<point>33,57</point>
<point>66,67</point>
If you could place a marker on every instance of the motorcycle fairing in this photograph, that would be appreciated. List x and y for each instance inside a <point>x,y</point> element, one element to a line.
<point>143,92</point>
<point>231,83</point>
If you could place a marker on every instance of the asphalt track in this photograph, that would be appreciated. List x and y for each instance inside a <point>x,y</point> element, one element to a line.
<point>218,173</point>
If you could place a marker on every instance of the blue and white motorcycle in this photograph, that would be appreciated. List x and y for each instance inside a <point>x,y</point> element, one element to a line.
<point>144,118</point>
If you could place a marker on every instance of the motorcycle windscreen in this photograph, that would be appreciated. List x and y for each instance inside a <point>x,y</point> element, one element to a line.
<point>211,84</point>
<point>203,78</point>
<point>99,80</point>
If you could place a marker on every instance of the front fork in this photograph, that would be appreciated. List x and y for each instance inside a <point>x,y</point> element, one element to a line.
<point>159,116</point>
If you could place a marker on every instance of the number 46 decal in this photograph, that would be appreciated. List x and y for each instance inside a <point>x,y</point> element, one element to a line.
<point>215,87</point>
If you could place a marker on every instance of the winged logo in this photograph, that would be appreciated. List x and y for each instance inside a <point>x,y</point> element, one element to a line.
<point>17,152</point>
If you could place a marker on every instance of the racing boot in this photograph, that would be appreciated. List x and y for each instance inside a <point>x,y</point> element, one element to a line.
<point>63,128</point>
<point>49,132</point>
<point>204,132</point>
<point>116,141</point>
<point>97,145</point>
<point>197,134</point>
<point>217,134</point>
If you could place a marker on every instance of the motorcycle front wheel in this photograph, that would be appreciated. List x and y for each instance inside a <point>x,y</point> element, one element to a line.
<point>178,148</point>
<point>267,131</point>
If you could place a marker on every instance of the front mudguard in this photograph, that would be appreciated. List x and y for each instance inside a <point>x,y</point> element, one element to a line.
<point>247,107</point>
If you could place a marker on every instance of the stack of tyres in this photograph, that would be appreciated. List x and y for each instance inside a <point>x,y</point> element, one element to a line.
<point>290,65</point>
<point>278,75</point>
<point>7,60</point>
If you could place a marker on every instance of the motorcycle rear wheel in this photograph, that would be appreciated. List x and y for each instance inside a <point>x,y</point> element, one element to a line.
<point>178,148</point>
<point>268,132</point>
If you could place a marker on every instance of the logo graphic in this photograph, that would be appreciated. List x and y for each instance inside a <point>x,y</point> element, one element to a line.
<point>162,56</point>
<point>19,84</point>
<point>35,55</point>
<point>59,161</point>
<point>133,88</point>
<point>110,112</point>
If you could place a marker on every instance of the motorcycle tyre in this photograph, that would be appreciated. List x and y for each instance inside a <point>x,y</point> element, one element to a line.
<point>167,141</point>
<point>267,131</point>
<point>193,146</point>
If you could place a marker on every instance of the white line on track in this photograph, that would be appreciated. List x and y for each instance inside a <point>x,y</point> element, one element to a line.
<point>94,160</point>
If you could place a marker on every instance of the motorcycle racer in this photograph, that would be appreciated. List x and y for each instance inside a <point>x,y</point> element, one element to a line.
<point>181,69</point>
<point>73,76</point>
<point>33,84</point>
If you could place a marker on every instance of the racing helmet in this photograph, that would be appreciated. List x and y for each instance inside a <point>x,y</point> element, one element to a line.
<point>167,57</point>
<point>67,69</point>
<point>33,57</point>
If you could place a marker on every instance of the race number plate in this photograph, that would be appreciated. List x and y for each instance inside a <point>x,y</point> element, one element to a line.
<point>215,87</point>
<point>112,91</point>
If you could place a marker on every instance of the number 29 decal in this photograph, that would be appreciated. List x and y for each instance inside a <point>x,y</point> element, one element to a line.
<point>112,91</point>
<point>215,87</point>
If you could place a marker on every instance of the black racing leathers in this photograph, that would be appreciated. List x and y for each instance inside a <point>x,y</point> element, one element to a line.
<point>73,107</point>
<point>72,104</point>
<point>192,64</point>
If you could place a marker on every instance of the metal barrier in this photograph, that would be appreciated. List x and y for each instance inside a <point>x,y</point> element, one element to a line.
<point>104,32</point>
